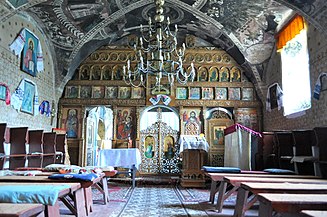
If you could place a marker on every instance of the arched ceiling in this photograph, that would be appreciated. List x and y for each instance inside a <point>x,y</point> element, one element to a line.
<point>245,29</point>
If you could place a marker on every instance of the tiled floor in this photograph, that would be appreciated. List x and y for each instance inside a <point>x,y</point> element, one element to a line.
<point>117,202</point>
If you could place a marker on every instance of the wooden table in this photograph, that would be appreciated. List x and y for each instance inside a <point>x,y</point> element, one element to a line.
<point>74,191</point>
<point>242,203</point>
<point>290,203</point>
<point>314,213</point>
<point>235,181</point>
<point>21,210</point>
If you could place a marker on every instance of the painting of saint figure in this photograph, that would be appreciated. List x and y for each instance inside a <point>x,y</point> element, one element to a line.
<point>72,123</point>
<point>169,147</point>
<point>149,147</point>
<point>30,54</point>
<point>124,123</point>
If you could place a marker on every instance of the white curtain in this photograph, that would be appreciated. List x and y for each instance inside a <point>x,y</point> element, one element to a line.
<point>296,75</point>
<point>238,150</point>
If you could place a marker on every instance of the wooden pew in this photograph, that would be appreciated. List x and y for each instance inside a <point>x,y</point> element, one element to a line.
<point>321,139</point>
<point>49,148</point>
<point>303,159</point>
<point>17,140</point>
<point>236,181</point>
<point>73,191</point>
<point>268,150</point>
<point>21,210</point>
<point>35,141</point>
<point>60,148</point>
<point>244,202</point>
<point>284,146</point>
<point>314,213</point>
<point>3,127</point>
<point>290,203</point>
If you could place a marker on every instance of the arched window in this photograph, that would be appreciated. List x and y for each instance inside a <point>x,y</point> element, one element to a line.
<point>295,67</point>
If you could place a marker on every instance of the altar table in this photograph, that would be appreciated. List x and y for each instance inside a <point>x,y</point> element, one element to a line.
<point>126,157</point>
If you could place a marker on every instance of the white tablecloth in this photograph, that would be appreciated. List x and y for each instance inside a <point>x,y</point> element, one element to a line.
<point>193,142</point>
<point>126,157</point>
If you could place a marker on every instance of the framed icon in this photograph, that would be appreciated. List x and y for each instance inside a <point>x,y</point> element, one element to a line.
<point>234,93</point>
<point>111,92</point>
<point>181,93</point>
<point>72,91</point>
<point>247,93</point>
<point>137,93</point>
<point>221,93</point>
<point>124,92</point>
<point>28,98</point>
<point>224,74</point>
<point>235,75</point>
<point>207,93</point>
<point>213,74</point>
<point>97,92</point>
<point>194,93</point>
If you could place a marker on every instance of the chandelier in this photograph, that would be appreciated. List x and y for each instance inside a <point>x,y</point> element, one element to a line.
<point>158,55</point>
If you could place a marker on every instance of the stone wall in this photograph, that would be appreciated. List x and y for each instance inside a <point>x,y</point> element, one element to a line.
<point>317,115</point>
<point>11,74</point>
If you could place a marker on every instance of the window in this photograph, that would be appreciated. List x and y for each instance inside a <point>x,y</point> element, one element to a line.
<point>296,75</point>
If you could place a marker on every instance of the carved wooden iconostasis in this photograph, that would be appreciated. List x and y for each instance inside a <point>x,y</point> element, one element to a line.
<point>159,141</point>
<point>219,83</point>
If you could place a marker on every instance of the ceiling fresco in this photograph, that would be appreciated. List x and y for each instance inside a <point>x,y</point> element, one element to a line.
<point>245,29</point>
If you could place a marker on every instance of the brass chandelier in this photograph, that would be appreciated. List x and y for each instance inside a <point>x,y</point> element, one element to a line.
<point>158,55</point>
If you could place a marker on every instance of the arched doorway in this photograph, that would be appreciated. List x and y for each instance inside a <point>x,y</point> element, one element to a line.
<point>217,119</point>
<point>98,132</point>
<point>159,130</point>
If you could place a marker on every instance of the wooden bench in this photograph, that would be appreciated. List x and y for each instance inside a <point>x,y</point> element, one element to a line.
<point>314,213</point>
<point>217,178</point>
<point>74,191</point>
<point>100,183</point>
<point>21,210</point>
<point>236,181</point>
<point>244,202</point>
<point>290,203</point>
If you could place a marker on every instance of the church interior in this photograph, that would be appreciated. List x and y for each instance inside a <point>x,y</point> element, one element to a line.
<point>163,108</point>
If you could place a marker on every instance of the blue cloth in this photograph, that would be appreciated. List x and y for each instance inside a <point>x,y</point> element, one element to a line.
<point>279,171</point>
<point>44,194</point>
<point>221,169</point>
<point>73,176</point>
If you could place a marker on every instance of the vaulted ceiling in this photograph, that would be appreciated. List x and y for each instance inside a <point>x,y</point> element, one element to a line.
<point>245,29</point>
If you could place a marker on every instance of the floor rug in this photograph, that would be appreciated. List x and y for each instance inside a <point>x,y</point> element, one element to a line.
<point>159,201</point>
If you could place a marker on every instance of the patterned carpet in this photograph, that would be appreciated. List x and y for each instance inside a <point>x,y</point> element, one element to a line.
<point>160,200</point>
<point>156,199</point>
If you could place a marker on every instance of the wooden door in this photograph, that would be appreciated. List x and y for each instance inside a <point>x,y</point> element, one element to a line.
<point>159,149</point>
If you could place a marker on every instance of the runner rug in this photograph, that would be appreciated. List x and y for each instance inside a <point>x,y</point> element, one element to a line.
<point>164,200</point>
